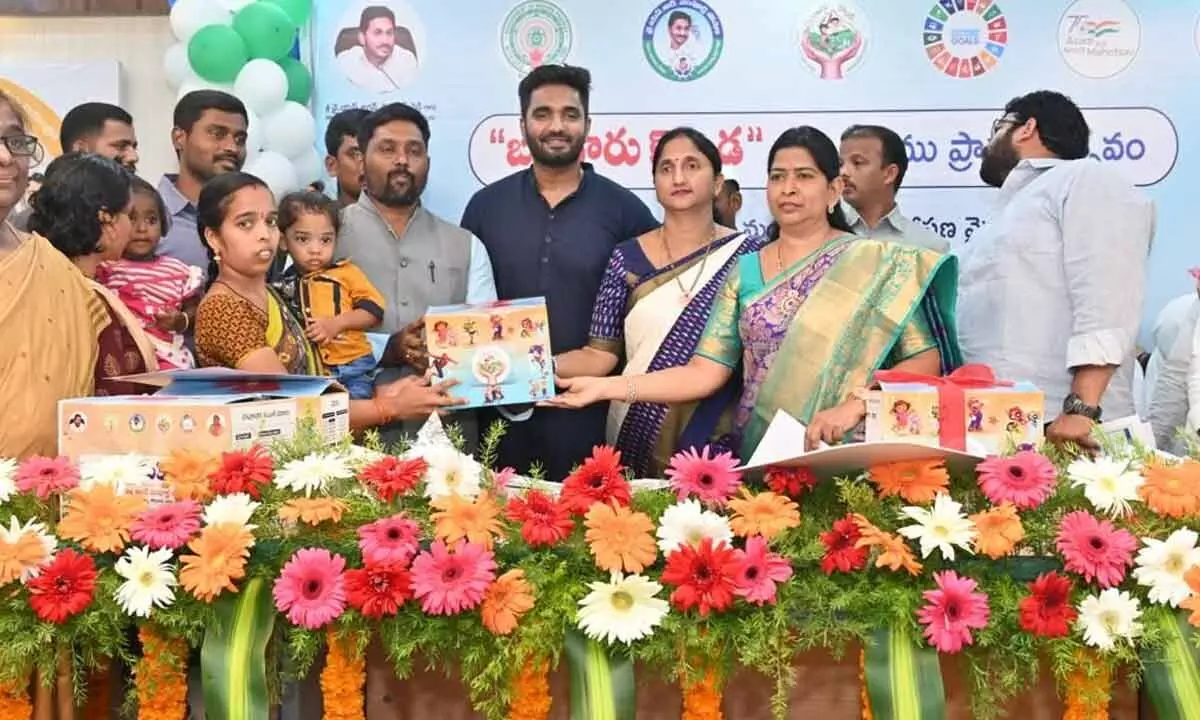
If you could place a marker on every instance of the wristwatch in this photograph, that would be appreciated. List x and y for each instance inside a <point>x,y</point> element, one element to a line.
<point>1072,405</point>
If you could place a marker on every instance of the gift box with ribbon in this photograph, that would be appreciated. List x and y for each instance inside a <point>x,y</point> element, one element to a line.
<point>970,410</point>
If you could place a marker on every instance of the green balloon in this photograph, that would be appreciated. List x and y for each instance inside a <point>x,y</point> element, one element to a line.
<point>299,80</point>
<point>297,10</point>
<point>217,53</point>
<point>267,30</point>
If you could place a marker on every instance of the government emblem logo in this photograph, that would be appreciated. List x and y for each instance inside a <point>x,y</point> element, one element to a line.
<point>535,32</point>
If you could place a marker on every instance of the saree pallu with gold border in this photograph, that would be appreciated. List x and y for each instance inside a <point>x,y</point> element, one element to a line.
<point>820,328</point>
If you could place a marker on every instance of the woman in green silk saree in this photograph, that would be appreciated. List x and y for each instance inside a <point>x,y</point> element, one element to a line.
<point>811,316</point>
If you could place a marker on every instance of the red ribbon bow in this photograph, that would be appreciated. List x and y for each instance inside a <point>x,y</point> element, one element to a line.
<point>951,389</point>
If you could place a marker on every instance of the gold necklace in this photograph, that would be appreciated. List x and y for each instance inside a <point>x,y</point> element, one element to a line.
<point>686,294</point>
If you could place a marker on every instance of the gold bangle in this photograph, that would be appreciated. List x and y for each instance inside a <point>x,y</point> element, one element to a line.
<point>385,418</point>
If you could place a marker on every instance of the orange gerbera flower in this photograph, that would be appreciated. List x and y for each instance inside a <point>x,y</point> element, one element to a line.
<point>99,518</point>
<point>764,513</point>
<point>313,511</point>
<point>1171,490</point>
<point>999,530</point>
<point>221,552</point>
<point>619,538</point>
<point>1192,577</point>
<point>894,552</point>
<point>23,550</point>
<point>506,600</point>
<point>917,481</point>
<point>476,521</point>
<point>186,473</point>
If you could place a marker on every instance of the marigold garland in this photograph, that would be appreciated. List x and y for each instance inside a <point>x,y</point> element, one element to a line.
<point>864,696</point>
<point>15,702</point>
<point>342,680</point>
<point>161,677</point>
<point>702,698</point>
<point>1088,696</point>
<point>530,698</point>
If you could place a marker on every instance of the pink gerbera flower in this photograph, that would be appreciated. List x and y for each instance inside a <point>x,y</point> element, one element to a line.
<point>1025,479</point>
<point>393,540</point>
<point>1094,548</point>
<point>167,526</point>
<point>311,588</point>
<point>954,610</point>
<point>448,583</point>
<point>46,476</point>
<point>502,477</point>
<point>711,478</point>
<point>757,570</point>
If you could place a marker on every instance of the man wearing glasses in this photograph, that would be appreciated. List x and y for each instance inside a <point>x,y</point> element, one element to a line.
<point>1050,290</point>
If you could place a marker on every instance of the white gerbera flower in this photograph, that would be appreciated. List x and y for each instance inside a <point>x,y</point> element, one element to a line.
<point>1109,484</point>
<point>234,509</point>
<point>8,470</point>
<point>358,457</point>
<point>31,532</point>
<point>450,473</point>
<point>1162,563</point>
<point>123,473</point>
<point>313,473</point>
<point>622,610</point>
<point>939,527</point>
<point>1110,616</point>
<point>687,523</point>
<point>149,579</point>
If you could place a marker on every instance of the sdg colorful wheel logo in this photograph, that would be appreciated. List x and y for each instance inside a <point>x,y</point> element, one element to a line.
<point>965,38</point>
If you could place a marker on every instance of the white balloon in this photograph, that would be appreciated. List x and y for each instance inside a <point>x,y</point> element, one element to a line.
<point>310,166</point>
<point>234,5</point>
<point>276,171</point>
<point>255,135</point>
<point>262,85</point>
<point>188,16</point>
<point>291,130</point>
<point>176,65</point>
<point>198,83</point>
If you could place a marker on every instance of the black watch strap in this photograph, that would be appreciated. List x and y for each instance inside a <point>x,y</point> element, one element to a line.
<point>1073,405</point>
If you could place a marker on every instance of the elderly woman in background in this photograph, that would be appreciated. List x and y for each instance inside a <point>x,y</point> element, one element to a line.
<point>45,311</point>
<point>83,210</point>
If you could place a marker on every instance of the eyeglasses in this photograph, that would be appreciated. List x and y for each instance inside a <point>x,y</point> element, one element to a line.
<point>999,123</point>
<point>24,146</point>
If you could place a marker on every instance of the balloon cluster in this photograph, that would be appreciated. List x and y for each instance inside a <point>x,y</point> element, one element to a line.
<point>250,49</point>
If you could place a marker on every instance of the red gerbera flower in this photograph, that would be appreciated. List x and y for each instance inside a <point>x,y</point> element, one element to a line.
<point>841,551</point>
<point>393,477</point>
<point>790,482</point>
<point>598,480</point>
<point>65,587</point>
<point>244,471</point>
<point>379,590</point>
<point>703,576</point>
<point>1047,610</point>
<point>544,521</point>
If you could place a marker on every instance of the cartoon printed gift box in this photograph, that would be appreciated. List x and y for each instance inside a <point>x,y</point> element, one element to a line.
<point>499,352</point>
<point>968,410</point>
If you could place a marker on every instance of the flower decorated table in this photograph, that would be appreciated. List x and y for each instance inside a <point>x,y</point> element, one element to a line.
<point>425,584</point>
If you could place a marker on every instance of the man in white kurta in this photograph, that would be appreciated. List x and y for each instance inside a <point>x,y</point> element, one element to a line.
<point>1050,290</point>
<point>377,64</point>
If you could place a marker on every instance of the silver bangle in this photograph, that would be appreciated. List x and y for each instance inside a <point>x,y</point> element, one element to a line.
<point>630,392</point>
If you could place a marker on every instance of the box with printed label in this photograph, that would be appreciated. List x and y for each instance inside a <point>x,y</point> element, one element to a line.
<point>499,352</point>
<point>990,419</point>
<point>209,411</point>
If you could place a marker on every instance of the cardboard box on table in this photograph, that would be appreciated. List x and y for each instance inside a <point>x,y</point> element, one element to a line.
<point>499,352</point>
<point>211,410</point>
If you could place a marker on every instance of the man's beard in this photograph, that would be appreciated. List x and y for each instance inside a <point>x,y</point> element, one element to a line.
<point>999,159</point>
<point>550,158</point>
<point>394,199</point>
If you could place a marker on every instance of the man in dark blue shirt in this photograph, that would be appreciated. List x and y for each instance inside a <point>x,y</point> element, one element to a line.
<point>549,231</point>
